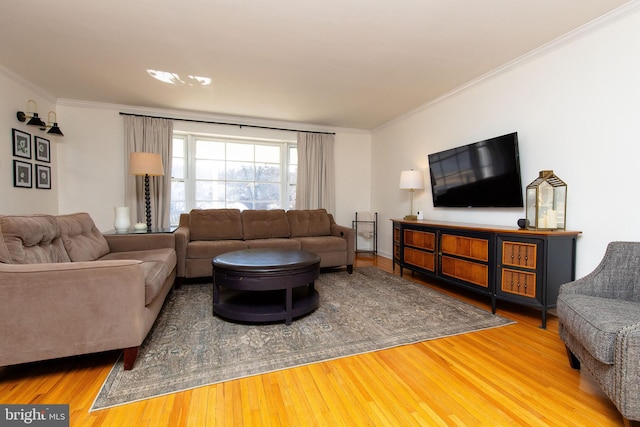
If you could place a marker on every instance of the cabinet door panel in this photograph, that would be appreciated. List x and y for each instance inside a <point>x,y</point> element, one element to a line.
<point>468,247</point>
<point>425,260</point>
<point>466,270</point>
<point>420,239</point>
<point>519,254</point>
<point>519,282</point>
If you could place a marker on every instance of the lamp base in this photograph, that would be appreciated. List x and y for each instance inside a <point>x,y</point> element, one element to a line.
<point>411,217</point>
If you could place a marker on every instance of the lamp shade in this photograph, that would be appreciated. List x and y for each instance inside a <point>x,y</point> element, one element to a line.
<point>141,164</point>
<point>411,180</point>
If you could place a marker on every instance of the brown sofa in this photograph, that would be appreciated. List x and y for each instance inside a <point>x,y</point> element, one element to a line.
<point>206,233</point>
<point>66,289</point>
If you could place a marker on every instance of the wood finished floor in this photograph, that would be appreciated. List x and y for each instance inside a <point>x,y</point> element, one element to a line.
<point>513,375</point>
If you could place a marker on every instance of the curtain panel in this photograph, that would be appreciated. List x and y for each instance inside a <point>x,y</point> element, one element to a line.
<point>150,135</point>
<point>315,186</point>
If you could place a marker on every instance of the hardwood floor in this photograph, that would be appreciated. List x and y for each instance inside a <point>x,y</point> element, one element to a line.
<point>513,375</point>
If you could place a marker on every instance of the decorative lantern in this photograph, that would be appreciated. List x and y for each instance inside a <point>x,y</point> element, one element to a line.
<point>547,202</point>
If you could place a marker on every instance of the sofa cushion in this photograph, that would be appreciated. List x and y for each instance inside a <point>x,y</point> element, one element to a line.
<point>264,224</point>
<point>5,257</point>
<point>276,243</point>
<point>322,244</point>
<point>312,222</point>
<point>157,265</point>
<point>595,321</point>
<point>31,239</point>
<point>208,250</point>
<point>215,224</point>
<point>82,239</point>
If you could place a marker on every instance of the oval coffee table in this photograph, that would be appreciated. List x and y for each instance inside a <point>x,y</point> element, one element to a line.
<point>265,285</point>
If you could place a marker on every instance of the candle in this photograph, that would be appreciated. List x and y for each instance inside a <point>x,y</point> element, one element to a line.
<point>552,219</point>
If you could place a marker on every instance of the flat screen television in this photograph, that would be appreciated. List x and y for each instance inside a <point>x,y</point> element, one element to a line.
<point>483,174</point>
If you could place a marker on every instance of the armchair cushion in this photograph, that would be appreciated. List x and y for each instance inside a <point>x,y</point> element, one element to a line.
<point>596,322</point>
<point>82,239</point>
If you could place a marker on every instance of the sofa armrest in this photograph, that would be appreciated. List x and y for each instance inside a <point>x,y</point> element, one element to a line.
<point>61,309</point>
<point>139,242</point>
<point>627,371</point>
<point>349,234</point>
<point>183,236</point>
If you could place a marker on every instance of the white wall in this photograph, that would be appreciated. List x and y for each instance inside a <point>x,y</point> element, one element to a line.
<point>15,94</point>
<point>93,162</point>
<point>576,109</point>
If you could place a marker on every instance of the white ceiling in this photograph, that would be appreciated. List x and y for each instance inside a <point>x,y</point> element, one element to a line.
<point>340,63</point>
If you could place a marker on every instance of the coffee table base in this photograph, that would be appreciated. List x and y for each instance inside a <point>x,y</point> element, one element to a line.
<point>265,285</point>
<point>266,306</point>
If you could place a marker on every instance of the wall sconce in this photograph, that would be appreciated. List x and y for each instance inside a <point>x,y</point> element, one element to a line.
<point>34,120</point>
<point>54,128</point>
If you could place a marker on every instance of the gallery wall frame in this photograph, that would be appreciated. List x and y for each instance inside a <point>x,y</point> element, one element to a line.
<point>43,177</point>
<point>43,150</point>
<point>21,144</point>
<point>22,173</point>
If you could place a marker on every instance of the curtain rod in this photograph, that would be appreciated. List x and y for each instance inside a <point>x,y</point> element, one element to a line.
<point>226,124</point>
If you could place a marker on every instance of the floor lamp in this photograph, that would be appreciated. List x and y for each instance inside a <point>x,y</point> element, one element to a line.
<point>411,180</point>
<point>146,164</point>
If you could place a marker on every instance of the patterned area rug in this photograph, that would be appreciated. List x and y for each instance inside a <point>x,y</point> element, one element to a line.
<point>365,311</point>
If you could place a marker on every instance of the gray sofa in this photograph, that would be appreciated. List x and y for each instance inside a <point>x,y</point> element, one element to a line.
<point>206,233</point>
<point>599,322</point>
<point>66,289</point>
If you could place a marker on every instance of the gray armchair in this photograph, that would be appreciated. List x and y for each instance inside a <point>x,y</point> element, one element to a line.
<point>599,322</point>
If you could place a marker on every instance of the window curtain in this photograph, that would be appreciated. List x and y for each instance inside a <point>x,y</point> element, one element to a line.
<point>150,135</point>
<point>315,187</point>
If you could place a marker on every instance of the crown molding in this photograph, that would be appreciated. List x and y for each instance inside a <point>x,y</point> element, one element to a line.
<point>27,84</point>
<point>609,18</point>
<point>212,117</point>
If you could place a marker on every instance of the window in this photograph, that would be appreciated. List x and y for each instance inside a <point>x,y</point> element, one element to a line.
<point>212,172</point>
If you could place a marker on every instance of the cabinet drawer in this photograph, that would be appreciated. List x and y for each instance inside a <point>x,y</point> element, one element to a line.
<point>420,239</point>
<point>466,270</point>
<point>519,254</point>
<point>519,282</point>
<point>424,260</point>
<point>468,247</point>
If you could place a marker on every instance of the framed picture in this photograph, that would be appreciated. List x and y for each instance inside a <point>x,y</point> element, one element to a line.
<point>43,177</point>
<point>21,144</point>
<point>22,174</point>
<point>43,150</point>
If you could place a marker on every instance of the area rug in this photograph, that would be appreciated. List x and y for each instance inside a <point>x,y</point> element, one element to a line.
<point>368,310</point>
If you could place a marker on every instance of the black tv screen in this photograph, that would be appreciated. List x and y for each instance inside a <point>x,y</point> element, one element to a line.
<point>483,174</point>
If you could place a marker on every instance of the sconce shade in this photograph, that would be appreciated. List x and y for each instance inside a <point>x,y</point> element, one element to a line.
<point>141,164</point>
<point>36,121</point>
<point>411,180</point>
<point>55,129</point>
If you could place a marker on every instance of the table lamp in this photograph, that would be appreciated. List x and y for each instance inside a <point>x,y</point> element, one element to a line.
<point>146,164</point>
<point>411,180</point>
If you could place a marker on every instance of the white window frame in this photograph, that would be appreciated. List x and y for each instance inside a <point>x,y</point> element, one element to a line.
<point>189,180</point>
